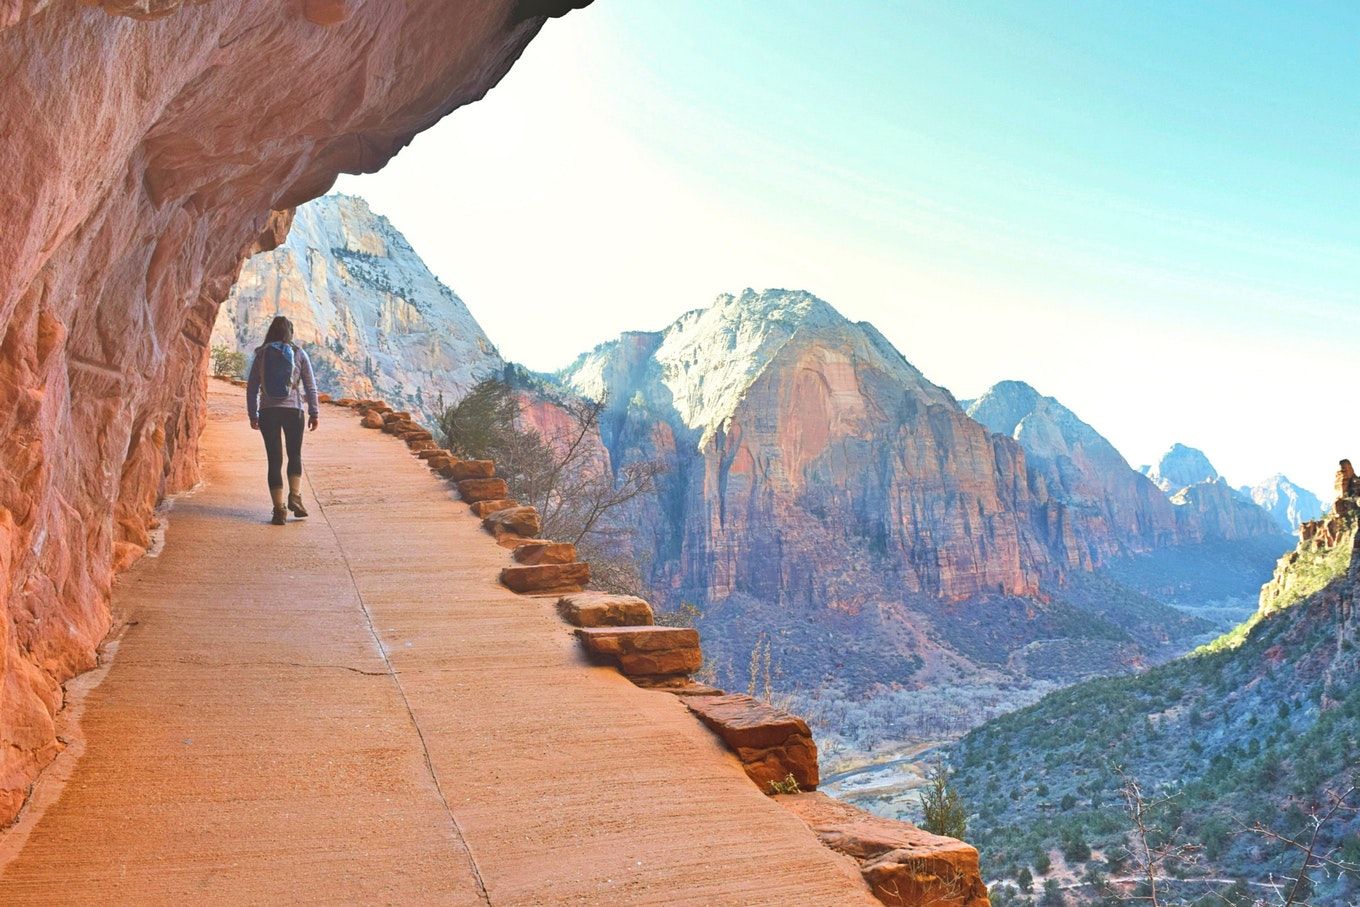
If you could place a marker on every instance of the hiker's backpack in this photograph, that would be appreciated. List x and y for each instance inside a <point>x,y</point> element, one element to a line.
<point>281,370</point>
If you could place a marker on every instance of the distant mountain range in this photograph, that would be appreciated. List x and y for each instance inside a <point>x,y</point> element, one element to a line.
<point>817,480</point>
<point>1289,504</point>
<point>821,493</point>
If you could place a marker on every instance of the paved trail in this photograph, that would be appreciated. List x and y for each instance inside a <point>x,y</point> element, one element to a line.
<point>350,709</point>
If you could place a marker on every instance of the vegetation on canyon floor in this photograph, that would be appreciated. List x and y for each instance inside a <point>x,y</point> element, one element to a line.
<point>1240,752</point>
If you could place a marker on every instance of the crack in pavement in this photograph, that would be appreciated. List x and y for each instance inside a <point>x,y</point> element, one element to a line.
<point>401,690</point>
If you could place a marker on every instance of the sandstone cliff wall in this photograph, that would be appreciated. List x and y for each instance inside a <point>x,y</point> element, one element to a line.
<point>147,148</point>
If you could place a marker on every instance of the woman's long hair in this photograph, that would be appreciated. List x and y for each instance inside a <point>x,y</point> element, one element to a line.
<point>280,329</point>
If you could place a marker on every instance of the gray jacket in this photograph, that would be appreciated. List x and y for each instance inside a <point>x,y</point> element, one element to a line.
<point>302,394</point>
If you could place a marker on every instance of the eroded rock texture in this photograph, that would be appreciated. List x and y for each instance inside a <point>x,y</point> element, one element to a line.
<point>147,147</point>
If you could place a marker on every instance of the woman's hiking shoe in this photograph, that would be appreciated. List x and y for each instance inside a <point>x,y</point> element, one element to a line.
<point>295,505</point>
<point>280,516</point>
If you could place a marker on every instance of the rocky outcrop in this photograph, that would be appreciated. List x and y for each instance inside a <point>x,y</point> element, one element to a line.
<point>541,551</point>
<point>1347,483</point>
<point>474,490</point>
<point>144,158</point>
<point>646,652</point>
<point>773,745</point>
<point>546,578</point>
<point>515,520</point>
<point>372,317</point>
<point>905,866</point>
<point>603,609</point>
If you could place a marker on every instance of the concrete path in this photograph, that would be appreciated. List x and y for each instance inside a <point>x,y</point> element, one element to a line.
<point>350,709</point>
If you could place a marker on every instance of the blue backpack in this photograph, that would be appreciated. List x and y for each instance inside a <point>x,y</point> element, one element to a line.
<point>281,370</point>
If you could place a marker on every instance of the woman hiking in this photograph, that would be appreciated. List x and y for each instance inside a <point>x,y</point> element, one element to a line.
<point>281,381</point>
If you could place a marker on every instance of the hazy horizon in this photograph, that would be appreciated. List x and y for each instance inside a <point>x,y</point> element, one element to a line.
<point>1150,218</point>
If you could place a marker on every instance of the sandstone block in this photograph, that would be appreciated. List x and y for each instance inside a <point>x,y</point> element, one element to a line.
<point>474,490</point>
<point>604,609</point>
<point>1347,483</point>
<point>323,398</point>
<point>902,864</point>
<point>486,508</point>
<point>432,453</point>
<point>521,521</point>
<point>472,469</point>
<point>546,578</point>
<point>680,686</point>
<point>345,401</point>
<point>646,651</point>
<point>420,445</point>
<point>540,551</point>
<point>770,742</point>
<point>372,420</point>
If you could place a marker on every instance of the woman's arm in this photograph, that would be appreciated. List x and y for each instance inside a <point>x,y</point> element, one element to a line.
<point>253,391</point>
<point>309,386</point>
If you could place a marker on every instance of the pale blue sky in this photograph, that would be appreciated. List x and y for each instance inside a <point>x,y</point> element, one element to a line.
<point>1148,210</point>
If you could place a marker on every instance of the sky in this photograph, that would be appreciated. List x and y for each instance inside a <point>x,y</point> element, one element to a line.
<point>1148,210</point>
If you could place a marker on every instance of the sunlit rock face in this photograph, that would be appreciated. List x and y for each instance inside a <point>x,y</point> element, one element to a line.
<point>374,320</point>
<point>1181,467</point>
<point>1102,507</point>
<point>1290,504</point>
<point>807,455</point>
<point>1207,508</point>
<point>812,466</point>
<point>146,147</point>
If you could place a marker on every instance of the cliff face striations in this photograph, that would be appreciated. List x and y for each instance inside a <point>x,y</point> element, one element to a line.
<point>147,148</point>
<point>1096,505</point>
<point>808,449</point>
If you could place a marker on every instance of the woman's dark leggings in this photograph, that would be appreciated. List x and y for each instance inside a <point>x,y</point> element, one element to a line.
<point>282,425</point>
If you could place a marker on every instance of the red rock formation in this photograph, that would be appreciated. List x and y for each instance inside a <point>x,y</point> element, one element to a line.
<point>517,520</point>
<point>646,651</point>
<point>602,609</point>
<point>772,744</point>
<point>142,161</point>
<point>472,469</point>
<point>948,498</point>
<point>1347,482</point>
<point>905,866</point>
<point>540,551</point>
<point>540,578</point>
<point>474,490</point>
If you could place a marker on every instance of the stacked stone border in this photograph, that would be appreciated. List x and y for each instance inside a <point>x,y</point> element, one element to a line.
<point>905,866</point>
